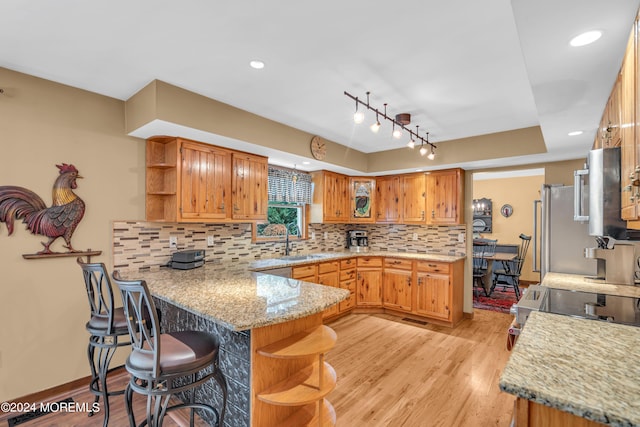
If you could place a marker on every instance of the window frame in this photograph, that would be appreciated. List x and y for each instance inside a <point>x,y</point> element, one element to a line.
<point>303,220</point>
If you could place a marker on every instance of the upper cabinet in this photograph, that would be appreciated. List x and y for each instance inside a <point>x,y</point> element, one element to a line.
<point>418,198</point>
<point>362,199</point>
<point>330,197</point>
<point>445,196</point>
<point>249,183</point>
<point>388,197</point>
<point>189,181</point>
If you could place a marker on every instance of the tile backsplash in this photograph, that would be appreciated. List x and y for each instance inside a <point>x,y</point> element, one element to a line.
<point>145,245</point>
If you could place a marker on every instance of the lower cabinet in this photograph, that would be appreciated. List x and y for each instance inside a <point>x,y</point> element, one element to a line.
<point>397,279</point>
<point>307,273</point>
<point>369,282</point>
<point>439,290</point>
<point>328,275</point>
<point>348,282</point>
<point>532,414</point>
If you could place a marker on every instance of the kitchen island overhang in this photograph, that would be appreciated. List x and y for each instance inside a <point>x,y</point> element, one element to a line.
<point>246,310</point>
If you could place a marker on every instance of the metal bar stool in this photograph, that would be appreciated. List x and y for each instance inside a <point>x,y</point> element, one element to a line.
<point>164,364</point>
<point>106,325</point>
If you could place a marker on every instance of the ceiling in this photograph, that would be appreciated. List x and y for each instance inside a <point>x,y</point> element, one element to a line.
<point>461,68</point>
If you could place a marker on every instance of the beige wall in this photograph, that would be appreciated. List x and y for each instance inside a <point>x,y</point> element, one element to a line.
<point>519,192</point>
<point>43,305</point>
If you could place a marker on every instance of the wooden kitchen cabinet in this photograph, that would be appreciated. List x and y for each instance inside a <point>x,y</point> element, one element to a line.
<point>249,187</point>
<point>161,180</point>
<point>445,197</point>
<point>329,275</point>
<point>369,282</point>
<point>532,414</point>
<point>307,273</point>
<point>439,290</point>
<point>362,200</point>
<point>330,197</point>
<point>190,181</point>
<point>630,193</point>
<point>205,182</point>
<point>348,282</point>
<point>388,199</point>
<point>414,194</point>
<point>397,280</point>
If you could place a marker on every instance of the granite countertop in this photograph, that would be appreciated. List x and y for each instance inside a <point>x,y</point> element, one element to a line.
<point>584,367</point>
<point>236,298</point>
<point>577,282</point>
<point>266,264</point>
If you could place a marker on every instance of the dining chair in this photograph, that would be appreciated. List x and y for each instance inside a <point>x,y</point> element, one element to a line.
<point>509,275</point>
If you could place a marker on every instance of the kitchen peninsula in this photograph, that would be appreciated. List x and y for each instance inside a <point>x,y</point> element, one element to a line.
<point>248,311</point>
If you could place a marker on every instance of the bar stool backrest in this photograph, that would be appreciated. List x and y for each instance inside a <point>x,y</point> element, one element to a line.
<point>142,319</point>
<point>100,296</point>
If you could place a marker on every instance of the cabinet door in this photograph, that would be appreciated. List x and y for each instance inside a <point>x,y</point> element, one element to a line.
<point>336,197</point>
<point>369,288</point>
<point>444,197</point>
<point>350,302</point>
<point>249,186</point>
<point>362,199</point>
<point>413,198</point>
<point>432,295</point>
<point>396,285</point>
<point>329,279</point>
<point>387,206</point>
<point>205,180</point>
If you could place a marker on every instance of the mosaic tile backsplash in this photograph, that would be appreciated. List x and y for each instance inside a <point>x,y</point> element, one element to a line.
<point>145,245</point>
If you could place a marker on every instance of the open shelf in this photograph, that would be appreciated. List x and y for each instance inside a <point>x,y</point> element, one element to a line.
<point>308,343</point>
<point>308,416</point>
<point>302,387</point>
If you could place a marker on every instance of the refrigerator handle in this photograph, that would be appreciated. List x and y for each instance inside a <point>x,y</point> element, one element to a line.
<point>536,268</point>
<point>578,191</point>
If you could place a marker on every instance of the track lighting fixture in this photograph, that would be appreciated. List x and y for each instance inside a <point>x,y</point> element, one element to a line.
<point>399,123</point>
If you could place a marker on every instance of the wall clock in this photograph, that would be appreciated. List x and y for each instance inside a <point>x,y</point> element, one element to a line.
<point>506,211</point>
<point>318,148</point>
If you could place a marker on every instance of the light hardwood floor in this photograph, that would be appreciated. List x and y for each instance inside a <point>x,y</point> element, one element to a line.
<point>396,373</point>
<point>391,373</point>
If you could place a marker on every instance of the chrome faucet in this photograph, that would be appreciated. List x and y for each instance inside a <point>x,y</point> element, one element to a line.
<point>287,250</point>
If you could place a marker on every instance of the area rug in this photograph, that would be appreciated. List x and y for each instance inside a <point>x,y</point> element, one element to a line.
<point>498,301</point>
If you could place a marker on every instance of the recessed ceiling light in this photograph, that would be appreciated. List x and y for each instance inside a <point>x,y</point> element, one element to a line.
<point>258,65</point>
<point>575,133</point>
<point>585,38</point>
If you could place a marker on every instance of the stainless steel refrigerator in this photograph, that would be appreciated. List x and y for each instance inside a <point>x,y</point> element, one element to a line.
<point>561,239</point>
<point>572,218</point>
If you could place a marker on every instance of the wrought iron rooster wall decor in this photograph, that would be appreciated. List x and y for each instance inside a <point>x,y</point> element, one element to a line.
<point>59,220</point>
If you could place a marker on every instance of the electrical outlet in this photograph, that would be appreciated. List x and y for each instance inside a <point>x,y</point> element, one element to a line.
<point>415,236</point>
<point>461,237</point>
<point>209,241</point>
<point>173,242</point>
<point>313,235</point>
<point>326,235</point>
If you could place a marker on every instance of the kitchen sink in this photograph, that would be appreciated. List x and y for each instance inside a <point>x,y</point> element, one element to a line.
<point>304,257</point>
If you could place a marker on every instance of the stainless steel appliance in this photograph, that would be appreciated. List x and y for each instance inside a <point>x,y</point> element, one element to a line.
<point>357,241</point>
<point>576,217</point>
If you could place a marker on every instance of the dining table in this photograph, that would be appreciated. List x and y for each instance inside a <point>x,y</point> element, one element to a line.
<point>503,257</point>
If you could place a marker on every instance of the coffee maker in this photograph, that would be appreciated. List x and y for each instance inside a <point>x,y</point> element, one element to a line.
<point>357,241</point>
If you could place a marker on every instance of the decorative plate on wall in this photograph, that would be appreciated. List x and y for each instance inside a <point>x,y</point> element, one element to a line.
<point>506,211</point>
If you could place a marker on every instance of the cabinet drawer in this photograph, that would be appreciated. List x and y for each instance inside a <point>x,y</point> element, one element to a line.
<point>328,267</point>
<point>349,274</point>
<point>401,264</point>
<point>349,284</point>
<point>366,261</point>
<point>347,263</point>
<point>303,271</point>
<point>349,302</point>
<point>434,267</point>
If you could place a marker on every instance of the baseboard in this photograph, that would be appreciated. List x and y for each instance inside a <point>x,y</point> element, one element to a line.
<point>56,393</point>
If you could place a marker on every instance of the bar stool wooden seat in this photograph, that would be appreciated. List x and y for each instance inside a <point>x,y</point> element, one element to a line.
<point>164,364</point>
<point>107,327</point>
